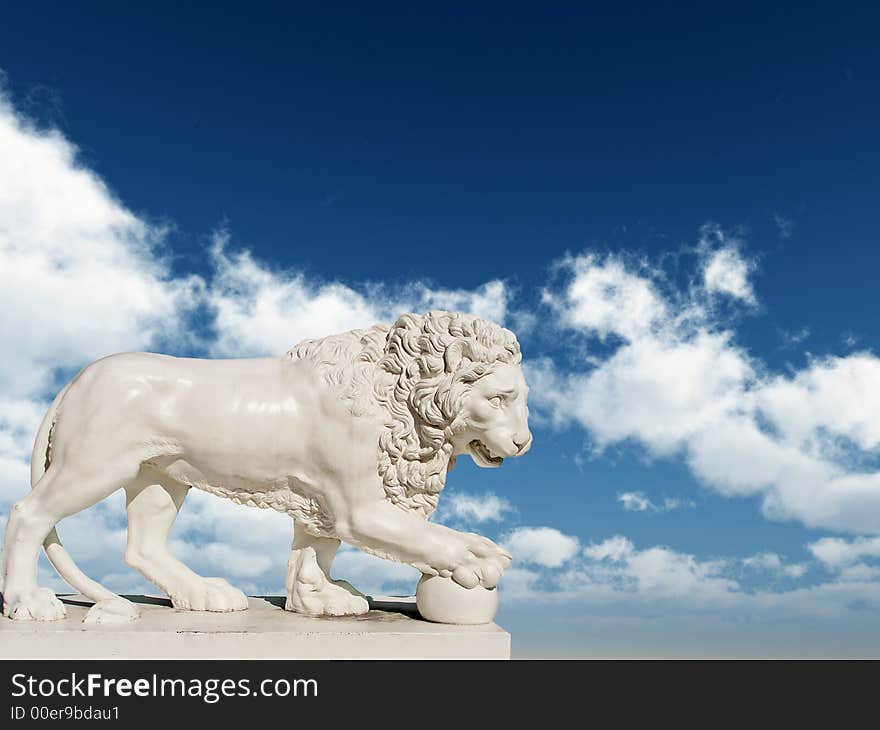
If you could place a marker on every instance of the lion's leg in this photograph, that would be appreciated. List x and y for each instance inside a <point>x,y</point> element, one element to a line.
<point>23,600</point>
<point>383,529</point>
<point>310,589</point>
<point>152,508</point>
<point>65,489</point>
<point>325,551</point>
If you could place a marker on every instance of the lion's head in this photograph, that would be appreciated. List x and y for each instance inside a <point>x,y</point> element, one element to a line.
<point>447,383</point>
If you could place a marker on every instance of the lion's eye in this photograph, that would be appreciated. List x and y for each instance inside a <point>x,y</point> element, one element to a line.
<point>496,401</point>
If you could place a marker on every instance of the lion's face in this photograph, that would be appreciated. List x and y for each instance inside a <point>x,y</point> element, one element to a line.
<point>495,417</point>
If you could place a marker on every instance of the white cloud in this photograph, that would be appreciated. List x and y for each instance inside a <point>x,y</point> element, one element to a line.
<point>541,545</point>
<point>724,269</point>
<point>477,508</point>
<point>230,559</point>
<point>605,298</point>
<point>859,573</point>
<point>768,562</point>
<point>678,384</point>
<point>660,571</point>
<point>836,553</point>
<point>635,502</point>
<point>616,565</point>
<point>262,311</point>
<point>489,300</point>
<point>639,502</point>
<point>265,312</point>
<point>615,549</point>
<point>727,272</point>
<point>832,396</point>
<point>671,503</point>
<point>661,390</point>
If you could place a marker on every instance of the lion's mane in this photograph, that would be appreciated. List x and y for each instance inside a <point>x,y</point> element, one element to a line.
<point>417,374</point>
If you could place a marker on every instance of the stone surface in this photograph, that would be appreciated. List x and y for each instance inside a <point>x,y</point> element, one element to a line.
<point>391,629</point>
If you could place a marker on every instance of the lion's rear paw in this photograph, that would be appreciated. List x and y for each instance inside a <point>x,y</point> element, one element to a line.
<point>38,605</point>
<point>310,593</point>
<point>209,594</point>
<point>328,600</point>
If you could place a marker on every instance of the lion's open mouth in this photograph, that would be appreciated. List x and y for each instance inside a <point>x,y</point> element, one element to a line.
<point>481,454</point>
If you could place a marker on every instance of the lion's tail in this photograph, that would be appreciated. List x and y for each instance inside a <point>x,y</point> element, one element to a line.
<point>58,556</point>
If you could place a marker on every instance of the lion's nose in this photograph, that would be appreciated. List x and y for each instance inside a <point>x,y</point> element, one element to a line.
<point>523,445</point>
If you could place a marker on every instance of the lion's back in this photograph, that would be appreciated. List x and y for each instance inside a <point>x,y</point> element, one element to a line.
<point>138,395</point>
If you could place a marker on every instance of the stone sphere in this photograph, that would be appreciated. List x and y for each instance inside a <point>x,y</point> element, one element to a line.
<point>444,601</point>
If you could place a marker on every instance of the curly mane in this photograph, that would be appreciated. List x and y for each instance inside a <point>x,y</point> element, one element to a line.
<point>417,373</point>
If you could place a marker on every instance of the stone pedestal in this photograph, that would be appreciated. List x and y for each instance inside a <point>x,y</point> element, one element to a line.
<point>391,630</point>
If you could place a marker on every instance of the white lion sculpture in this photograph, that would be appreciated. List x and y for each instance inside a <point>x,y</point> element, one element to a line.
<point>351,435</point>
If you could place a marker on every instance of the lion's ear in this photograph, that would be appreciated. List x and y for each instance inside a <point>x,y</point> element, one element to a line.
<point>453,356</point>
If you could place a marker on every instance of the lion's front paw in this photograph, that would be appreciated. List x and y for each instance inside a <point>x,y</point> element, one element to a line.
<point>478,561</point>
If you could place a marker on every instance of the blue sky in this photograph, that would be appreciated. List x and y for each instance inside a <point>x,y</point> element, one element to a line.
<point>675,210</point>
